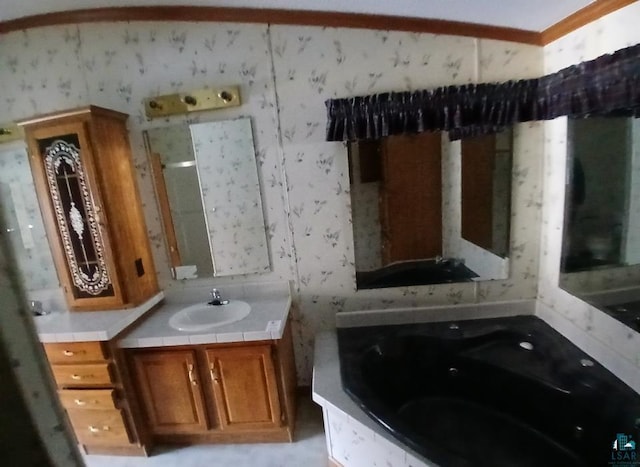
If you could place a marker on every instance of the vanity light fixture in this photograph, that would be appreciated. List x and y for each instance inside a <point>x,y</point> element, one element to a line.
<point>197,100</point>
<point>10,132</point>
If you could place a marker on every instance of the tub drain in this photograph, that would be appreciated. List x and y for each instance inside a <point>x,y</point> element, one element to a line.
<point>526,345</point>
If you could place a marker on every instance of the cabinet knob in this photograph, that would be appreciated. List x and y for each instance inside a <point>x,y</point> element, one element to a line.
<point>191,376</point>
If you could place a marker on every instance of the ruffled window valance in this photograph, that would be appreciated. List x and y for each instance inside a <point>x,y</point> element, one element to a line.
<point>608,85</point>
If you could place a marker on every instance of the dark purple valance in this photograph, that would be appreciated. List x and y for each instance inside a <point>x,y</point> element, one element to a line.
<point>608,85</point>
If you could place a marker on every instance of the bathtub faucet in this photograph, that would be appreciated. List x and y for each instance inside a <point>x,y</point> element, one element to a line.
<point>216,298</point>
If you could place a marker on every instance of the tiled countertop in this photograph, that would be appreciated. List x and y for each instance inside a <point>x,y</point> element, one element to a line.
<point>67,326</point>
<point>266,321</point>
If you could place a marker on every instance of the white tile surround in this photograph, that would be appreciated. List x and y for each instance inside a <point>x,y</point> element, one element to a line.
<point>270,304</point>
<point>67,326</point>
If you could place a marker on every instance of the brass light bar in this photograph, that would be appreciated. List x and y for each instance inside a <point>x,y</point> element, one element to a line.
<point>194,101</point>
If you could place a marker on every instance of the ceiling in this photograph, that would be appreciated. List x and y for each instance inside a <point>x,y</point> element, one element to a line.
<point>520,14</point>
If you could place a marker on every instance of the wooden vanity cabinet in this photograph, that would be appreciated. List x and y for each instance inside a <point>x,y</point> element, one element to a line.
<point>238,392</point>
<point>169,388</point>
<point>93,390</point>
<point>85,182</point>
<point>244,383</point>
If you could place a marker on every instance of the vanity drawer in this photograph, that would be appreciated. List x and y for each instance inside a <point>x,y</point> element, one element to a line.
<point>99,426</point>
<point>88,399</point>
<point>75,352</point>
<point>88,374</point>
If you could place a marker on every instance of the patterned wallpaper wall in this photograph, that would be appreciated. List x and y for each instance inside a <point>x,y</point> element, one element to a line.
<point>25,233</point>
<point>615,31</point>
<point>285,74</point>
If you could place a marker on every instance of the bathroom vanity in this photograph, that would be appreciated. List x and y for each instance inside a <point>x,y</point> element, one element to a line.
<point>233,382</point>
<point>129,380</point>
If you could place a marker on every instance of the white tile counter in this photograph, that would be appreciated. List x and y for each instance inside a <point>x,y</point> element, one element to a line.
<point>267,319</point>
<point>77,326</point>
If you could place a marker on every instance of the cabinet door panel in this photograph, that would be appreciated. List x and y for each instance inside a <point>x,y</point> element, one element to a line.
<point>244,385</point>
<point>170,391</point>
<point>69,196</point>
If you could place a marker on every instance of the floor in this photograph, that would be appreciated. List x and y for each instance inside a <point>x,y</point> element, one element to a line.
<point>308,450</point>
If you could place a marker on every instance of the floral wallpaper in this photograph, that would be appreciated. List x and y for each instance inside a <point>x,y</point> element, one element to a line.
<point>608,339</point>
<point>25,229</point>
<point>285,73</point>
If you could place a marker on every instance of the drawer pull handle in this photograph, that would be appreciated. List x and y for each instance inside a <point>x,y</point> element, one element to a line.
<point>79,402</point>
<point>191,376</point>
<point>76,377</point>
<point>213,373</point>
<point>95,429</point>
<point>68,353</point>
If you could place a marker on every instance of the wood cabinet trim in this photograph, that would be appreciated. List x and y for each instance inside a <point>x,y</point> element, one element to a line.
<point>582,17</point>
<point>273,16</point>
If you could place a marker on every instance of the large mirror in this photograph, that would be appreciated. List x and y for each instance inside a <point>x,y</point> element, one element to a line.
<point>206,181</point>
<point>601,241</point>
<point>421,216</point>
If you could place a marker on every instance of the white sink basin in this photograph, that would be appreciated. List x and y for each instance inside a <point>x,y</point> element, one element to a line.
<point>201,316</point>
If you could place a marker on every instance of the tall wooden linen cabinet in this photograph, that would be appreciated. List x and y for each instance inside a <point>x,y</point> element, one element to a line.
<point>85,181</point>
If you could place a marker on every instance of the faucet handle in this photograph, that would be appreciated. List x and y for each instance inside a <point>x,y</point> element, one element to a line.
<point>35,306</point>
<point>216,298</point>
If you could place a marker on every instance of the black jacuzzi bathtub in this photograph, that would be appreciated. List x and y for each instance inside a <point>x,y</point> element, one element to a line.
<point>491,392</point>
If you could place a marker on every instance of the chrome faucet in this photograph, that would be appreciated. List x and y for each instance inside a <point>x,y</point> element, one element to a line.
<point>35,306</point>
<point>216,298</point>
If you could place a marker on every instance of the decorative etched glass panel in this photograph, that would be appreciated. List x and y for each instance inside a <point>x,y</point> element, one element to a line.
<point>76,216</point>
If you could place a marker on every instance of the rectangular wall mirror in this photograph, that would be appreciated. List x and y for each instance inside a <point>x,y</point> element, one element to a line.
<point>601,239</point>
<point>206,181</point>
<point>424,217</point>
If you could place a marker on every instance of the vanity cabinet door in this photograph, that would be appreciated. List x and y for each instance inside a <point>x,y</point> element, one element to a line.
<point>245,387</point>
<point>170,391</point>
